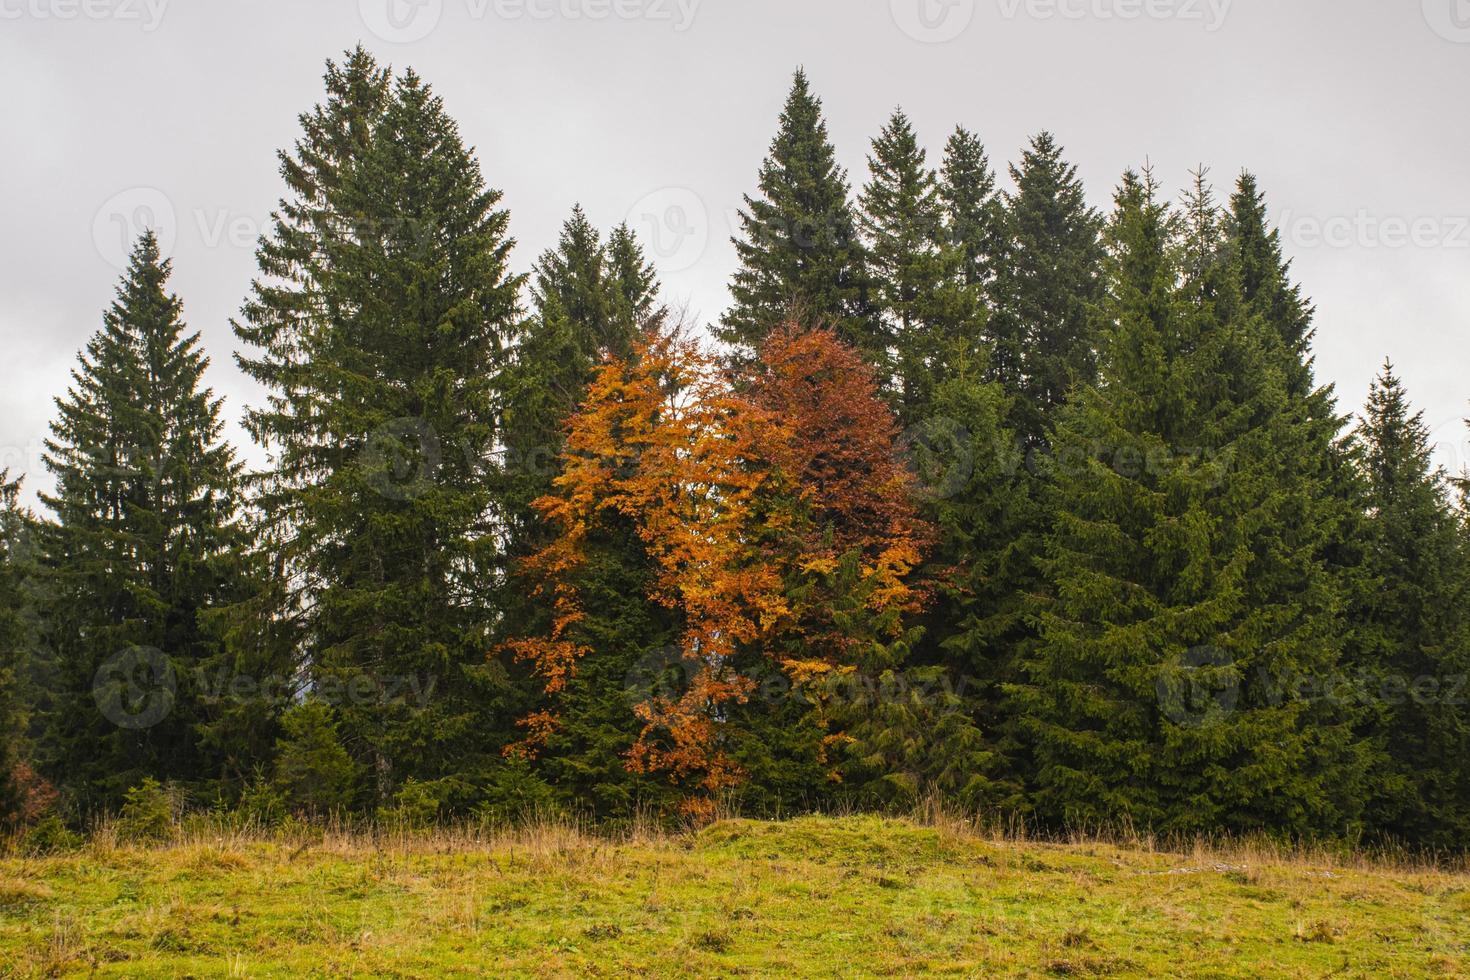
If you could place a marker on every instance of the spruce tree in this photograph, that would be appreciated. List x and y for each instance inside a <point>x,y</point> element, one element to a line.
<point>1415,616</point>
<point>914,275</point>
<point>1047,284</point>
<point>974,490</point>
<point>378,327</point>
<point>973,218</point>
<point>799,250</point>
<point>634,285</point>
<point>574,273</point>
<point>1323,519</point>
<point>1183,623</point>
<point>592,301</point>
<point>16,642</point>
<point>143,543</point>
<point>1327,458</point>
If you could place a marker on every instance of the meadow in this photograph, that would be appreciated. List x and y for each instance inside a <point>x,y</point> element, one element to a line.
<point>816,896</point>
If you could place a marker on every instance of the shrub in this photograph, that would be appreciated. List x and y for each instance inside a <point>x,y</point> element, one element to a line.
<point>516,792</point>
<point>414,807</point>
<point>262,803</point>
<point>147,816</point>
<point>49,836</point>
<point>313,770</point>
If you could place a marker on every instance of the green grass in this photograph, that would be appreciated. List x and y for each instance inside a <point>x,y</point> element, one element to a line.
<point>851,896</point>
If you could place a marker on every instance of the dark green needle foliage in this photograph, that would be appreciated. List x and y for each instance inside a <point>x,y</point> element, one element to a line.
<point>799,248</point>
<point>145,540</point>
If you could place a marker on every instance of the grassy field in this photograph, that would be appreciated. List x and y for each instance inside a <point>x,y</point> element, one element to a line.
<point>853,896</point>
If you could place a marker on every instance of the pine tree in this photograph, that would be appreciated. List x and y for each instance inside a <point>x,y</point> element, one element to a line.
<point>799,249</point>
<point>553,361</point>
<point>1416,560</point>
<point>973,217</point>
<point>144,543</point>
<point>634,285</point>
<point>915,277</point>
<point>1182,621</point>
<point>1047,284</point>
<point>379,327</point>
<point>16,643</point>
<point>591,302</point>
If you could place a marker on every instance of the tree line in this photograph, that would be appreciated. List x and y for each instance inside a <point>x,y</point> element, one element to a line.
<point>982,493</point>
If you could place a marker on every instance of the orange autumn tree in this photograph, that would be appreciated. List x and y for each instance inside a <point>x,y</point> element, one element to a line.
<point>663,442</point>
<point>781,524</point>
<point>848,537</point>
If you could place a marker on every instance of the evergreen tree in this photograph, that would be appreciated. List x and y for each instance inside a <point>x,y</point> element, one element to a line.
<point>915,279</point>
<point>592,301</point>
<point>144,542</point>
<point>1416,560</point>
<point>378,327</point>
<point>634,284</point>
<point>15,648</point>
<point>972,212</point>
<point>1046,287</point>
<point>975,492</point>
<point>1183,622</point>
<point>1265,283</point>
<point>574,273</point>
<point>799,249</point>
<point>1326,459</point>
<point>1323,518</point>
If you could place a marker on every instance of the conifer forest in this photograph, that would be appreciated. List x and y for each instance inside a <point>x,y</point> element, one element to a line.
<point>981,489</point>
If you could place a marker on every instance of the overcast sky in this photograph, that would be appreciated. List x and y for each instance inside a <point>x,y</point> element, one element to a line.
<point>1352,112</point>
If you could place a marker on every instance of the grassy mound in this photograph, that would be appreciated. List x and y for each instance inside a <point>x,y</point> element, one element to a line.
<point>852,896</point>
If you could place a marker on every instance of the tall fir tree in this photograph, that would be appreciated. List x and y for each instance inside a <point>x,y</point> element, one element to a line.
<point>915,276</point>
<point>972,208</point>
<point>1416,560</point>
<point>378,327</point>
<point>931,241</point>
<point>16,649</point>
<point>144,542</point>
<point>634,283</point>
<point>1045,291</point>
<point>800,255</point>
<point>1183,625</point>
<point>592,301</point>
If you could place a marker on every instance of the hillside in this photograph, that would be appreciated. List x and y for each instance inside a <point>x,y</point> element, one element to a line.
<point>850,896</point>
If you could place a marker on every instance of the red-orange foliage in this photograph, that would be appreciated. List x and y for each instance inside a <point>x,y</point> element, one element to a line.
<point>663,441</point>
<point>853,496</point>
<point>735,498</point>
<point>34,796</point>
